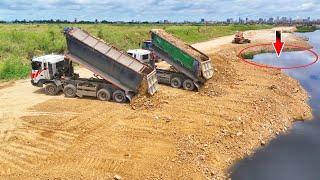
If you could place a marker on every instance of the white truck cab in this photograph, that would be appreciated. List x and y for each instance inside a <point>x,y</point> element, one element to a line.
<point>144,56</point>
<point>46,71</point>
<point>141,55</point>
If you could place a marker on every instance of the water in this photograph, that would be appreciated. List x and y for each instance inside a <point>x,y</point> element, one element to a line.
<point>295,156</point>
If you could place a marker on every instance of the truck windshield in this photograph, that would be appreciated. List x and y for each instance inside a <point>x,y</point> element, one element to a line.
<point>36,65</point>
<point>145,57</point>
<point>60,65</point>
<point>147,45</point>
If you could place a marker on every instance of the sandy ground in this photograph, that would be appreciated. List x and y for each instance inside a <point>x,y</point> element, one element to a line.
<point>173,135</point>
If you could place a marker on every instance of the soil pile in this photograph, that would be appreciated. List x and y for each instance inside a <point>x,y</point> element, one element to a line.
<point>180,44</point>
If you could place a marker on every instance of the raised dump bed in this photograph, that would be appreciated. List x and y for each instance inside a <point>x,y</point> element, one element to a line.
<point>110,63</point>
<point>183,57</point>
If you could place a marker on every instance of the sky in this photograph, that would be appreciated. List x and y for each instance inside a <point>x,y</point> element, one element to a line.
<point>154,10</point>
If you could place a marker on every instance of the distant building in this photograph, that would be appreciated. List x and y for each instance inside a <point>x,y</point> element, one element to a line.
<point>261,20</point>
<point>241,21</point>
<point>271,20</point>
<point>230,20</point>
<point>284,19</point>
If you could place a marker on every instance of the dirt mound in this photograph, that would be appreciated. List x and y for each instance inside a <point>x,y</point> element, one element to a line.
<point>148,102</point>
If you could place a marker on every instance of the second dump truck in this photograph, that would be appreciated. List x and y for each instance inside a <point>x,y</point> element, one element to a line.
<point>120,75</point>
<point>188,67</point>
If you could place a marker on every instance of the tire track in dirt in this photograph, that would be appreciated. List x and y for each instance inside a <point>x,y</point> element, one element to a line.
<point>24,146</point>
<point>84,141</point>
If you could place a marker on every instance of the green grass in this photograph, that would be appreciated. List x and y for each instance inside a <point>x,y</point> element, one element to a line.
<point>250,55</point>
<point>20,42</point>
<point>13,68</point>
<point>304,29</point>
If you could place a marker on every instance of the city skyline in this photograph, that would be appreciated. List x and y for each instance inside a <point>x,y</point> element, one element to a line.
<point>240,20</point>
<point>155,10</point>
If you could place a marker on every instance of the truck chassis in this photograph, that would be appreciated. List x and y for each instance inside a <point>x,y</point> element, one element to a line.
<point>175,79</point>
<point>81,87</point>
<point>93,87</point>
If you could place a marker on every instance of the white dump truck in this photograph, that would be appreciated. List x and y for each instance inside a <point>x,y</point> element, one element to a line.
<point>118,75</point>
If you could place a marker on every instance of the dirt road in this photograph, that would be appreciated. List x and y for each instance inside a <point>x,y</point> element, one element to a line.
<point>260,36</point>
<point>174,135</point>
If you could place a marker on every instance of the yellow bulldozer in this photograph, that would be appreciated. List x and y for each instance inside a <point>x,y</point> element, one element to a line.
<point>239,39</point>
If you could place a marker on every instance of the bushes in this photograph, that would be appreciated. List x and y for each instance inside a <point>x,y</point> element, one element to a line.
<point>13,68</point>
<point>19,43</point>
<point>249,55</point>
<point>304,29</point>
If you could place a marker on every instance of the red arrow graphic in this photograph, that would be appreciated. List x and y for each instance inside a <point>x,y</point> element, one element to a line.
<point>278,45</point>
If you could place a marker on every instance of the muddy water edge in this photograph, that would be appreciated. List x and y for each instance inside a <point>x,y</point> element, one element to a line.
<point>294,155</point>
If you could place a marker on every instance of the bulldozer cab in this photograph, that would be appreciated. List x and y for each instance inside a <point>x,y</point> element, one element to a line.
<point>239,34</point>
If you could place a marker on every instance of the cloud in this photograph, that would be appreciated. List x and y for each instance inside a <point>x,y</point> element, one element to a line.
<point>174,10</point>
<point>307,6</point>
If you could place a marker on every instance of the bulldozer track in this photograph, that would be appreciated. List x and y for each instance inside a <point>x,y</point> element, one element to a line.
<point>27,150</point>
<point>110,165</point>
<point>41,128</point>
<point>13,161</point>
<point>23,147</point>
<point>37,142</point>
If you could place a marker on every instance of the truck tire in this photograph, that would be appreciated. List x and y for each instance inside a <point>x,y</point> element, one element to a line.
<point>119,96</point>
<point>51,89</point>
<point>188,85</point>
<point>176,82</point>
<point>104,95</point>
<point>70,91</point>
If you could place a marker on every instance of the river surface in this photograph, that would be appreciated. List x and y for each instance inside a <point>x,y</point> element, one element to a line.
<point>296,155</point>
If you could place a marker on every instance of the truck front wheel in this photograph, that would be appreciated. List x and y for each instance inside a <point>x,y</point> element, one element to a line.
<point>70,91</point>
<point>119,96</point>
<point>51,89</point>
<point>104,95</point>
<point>188,85</point>
<point>176,82</point>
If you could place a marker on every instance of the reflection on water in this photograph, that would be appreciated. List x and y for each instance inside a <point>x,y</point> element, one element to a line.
<point>287,59</point>
<point>296,155</point>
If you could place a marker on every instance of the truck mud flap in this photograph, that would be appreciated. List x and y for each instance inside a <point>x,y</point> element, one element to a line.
<point>197,85</point>
<point>207,69</point>
<point>129,95</point>
<point>152,82</point>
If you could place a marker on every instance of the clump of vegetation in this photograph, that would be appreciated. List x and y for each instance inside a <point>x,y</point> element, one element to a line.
<point>13,68</point>
<point>250,55</point>
<point>20,42</point>
<point>304,29</point>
